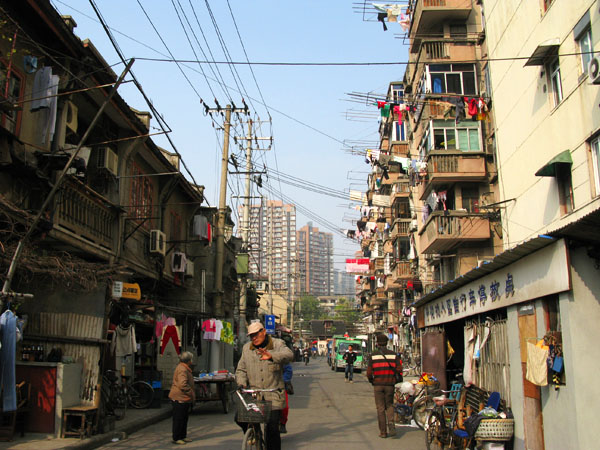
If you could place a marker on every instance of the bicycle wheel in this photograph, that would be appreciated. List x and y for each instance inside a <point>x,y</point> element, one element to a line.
<point>119,401</point>
<point>252,439</point>
<point>141,394</point>
<point>433,431</point>
<point>419,411</point>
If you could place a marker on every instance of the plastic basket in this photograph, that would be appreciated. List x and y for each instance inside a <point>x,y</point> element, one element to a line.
<point>263,415</point>
<point>495,429</point>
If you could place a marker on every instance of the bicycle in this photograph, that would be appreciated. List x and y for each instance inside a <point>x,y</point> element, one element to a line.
<point>411,366</point>
<point>423,400</point>
<point>254,412</point>
<point>117,394</point>
<point>442,421</point>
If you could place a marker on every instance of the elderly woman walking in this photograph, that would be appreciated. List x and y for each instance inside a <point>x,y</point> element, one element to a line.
<point>182,396</point>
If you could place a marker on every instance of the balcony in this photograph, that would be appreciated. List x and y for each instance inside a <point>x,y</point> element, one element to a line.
<point>443,50</point>
<point>442,232</point>
<point>401,189</point>
<point>402,271</point>
<point>83,212</point>
<point>399,148</point>
<point>429,13</point>
<point>400,227</point>
<point>445,167</point>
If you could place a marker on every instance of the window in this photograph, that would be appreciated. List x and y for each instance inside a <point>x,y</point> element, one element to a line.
<point>470,199</point>
<point>595,148</point>
<point>565,187</point>
<point>555,82</point>
<point>448,135</point>
<point>141,197</point>
<point>11,92</point>
<point>175,227</point>
<point>585,48</point>
<point>547,4</point>
<point>398,131</point>
<point>397,93</point>
<point>451,79</point>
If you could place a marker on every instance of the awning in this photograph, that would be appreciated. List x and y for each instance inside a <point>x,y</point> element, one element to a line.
<point>543,53</point>
<point>549,170</point>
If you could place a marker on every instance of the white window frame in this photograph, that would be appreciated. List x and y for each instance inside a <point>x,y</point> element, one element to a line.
<point>429,82</point>
<point>555,81</point>
<point>595,148</point>
<point>585,38</point>
<point>430,134</point>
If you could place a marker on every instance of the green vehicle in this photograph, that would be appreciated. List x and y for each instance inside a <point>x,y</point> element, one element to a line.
<point>339,347</point>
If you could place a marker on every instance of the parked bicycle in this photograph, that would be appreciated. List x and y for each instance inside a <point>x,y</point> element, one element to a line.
<point>412,402</point>
<point>118,393</point>
<point>254,412</point>
<point>411,365</point>
<point>442,421</point>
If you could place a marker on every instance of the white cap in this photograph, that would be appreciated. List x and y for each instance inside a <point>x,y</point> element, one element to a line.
<point>255,327</point>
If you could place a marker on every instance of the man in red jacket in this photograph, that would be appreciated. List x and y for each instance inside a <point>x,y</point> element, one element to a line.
<point>383,367</point>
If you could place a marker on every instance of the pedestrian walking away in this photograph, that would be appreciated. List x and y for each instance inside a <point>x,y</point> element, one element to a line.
<point>288,372</point>
<point>382,370</point>
<point>350,357</point>
<point>261,367</point>
<point>182,397</point>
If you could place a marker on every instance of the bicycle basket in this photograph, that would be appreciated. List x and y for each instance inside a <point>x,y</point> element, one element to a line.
<point>259,412</point>
<point>495,429</point>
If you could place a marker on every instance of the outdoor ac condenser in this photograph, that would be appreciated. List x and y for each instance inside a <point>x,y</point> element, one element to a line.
<point>158,242</point>
<point>108,159</point>
<point>594,70</point>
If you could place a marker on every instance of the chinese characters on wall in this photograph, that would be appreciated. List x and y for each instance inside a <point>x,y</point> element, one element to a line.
<point>470,301</point>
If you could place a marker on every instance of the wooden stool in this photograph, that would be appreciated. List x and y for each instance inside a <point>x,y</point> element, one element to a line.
<point>86,416</point>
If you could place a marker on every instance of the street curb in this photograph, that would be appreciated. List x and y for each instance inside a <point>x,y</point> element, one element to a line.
<point>105,438</point>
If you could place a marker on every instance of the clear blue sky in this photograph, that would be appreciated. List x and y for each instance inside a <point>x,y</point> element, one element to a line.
<point>271,31</point>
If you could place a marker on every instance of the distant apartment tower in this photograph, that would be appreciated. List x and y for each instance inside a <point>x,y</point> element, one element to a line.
<point>344,284</point>
<point>315,261</point>
<point>272,236</point>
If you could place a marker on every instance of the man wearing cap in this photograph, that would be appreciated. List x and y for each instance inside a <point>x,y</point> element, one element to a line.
<point>261,367</point>
<point>382,369</point>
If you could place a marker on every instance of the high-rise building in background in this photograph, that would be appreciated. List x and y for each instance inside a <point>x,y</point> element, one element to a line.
<point>272,243</point>
<point>344,284</point>
<point>315,261</point>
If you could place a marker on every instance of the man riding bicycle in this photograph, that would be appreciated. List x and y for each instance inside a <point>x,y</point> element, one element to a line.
<point>261,367</point>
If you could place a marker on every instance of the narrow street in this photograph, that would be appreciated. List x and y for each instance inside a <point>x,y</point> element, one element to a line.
<point>324,412</point>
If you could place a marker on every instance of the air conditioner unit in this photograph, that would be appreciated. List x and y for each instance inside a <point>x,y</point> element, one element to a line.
<point>71,116</point>
<point>189,269</point>
<point>158,242</point>
<point>594,70</point>
<point>108,159</point>
<point>178,262</point>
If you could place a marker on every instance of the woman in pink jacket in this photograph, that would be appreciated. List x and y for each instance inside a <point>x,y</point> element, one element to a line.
<point>182,396</point>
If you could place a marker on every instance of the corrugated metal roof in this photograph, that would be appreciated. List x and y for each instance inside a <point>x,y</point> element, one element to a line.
<point>501,260</point>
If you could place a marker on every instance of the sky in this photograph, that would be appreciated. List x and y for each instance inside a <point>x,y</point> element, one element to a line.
<point>308,105</point>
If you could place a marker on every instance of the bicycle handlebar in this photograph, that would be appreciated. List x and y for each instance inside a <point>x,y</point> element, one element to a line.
<point>254,391</point>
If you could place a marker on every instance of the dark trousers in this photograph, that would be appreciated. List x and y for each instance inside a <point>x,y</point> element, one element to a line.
<point>384,402</point>
<point>181,412</point>
<point>349,371</point>
<point>272,437</point>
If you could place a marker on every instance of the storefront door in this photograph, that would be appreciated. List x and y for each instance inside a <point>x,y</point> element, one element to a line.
<point>434,353</point>
<point>532,405</point>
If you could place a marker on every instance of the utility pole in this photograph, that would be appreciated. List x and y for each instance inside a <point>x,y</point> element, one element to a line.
<point>245,234</point>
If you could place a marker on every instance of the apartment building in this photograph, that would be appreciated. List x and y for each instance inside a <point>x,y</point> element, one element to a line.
<point>542,286</point>
<point>272,243</point>
<point>315,261</point>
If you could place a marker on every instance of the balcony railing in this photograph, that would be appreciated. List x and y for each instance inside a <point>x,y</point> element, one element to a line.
<point>399,148</point>
<point>442,232</point>
<point>402,271</point>
<point>85,213</point>
<point>447,167</point>
<point>400,227</point>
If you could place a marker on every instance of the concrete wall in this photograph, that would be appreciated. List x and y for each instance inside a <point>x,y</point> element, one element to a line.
<point>516,375</point>
<point>579,315</point>
<point>530,128</point>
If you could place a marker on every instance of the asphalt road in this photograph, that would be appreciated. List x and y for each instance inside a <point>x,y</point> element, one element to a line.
<point>325,413</point>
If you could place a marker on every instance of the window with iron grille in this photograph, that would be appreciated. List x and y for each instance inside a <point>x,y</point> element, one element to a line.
<point>141,197</point>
